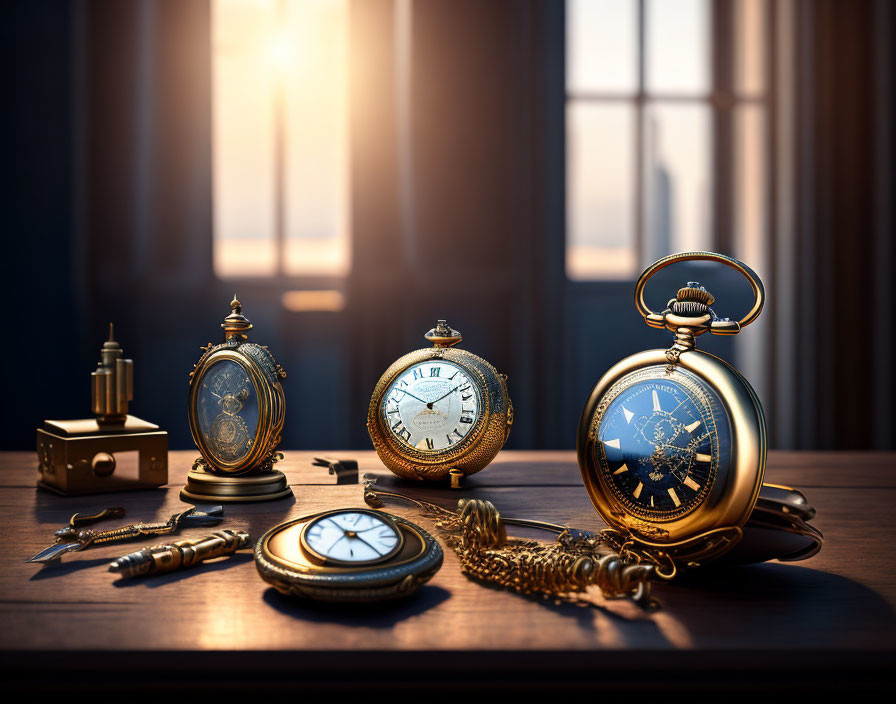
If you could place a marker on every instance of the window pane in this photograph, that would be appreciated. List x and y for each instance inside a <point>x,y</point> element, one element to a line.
<point>243,125</point>
<point>677,188</point>
<point>600,242</point>
<point>677,46</point>
<point>280,145</point>
<point>315,80</point>
<point>601,41</point>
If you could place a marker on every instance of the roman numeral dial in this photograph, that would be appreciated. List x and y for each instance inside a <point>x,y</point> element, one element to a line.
<point>432,406</point>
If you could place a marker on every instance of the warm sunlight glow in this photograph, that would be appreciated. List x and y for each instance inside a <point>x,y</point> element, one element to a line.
<point>282,52</point>
<point>330,301</point>
<point>280,137</point>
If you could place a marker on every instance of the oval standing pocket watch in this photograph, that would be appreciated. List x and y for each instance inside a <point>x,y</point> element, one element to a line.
<point>439,411</point>
<point>347,555</point>
<point>236,410</point>
<point>672,443</point>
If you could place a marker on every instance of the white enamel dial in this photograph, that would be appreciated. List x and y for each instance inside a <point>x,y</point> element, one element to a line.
<point>431,406</point>
<point>352,536</point>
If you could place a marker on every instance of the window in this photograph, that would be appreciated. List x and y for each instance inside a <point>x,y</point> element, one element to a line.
<point>666,131</point>
<point>280,137</point>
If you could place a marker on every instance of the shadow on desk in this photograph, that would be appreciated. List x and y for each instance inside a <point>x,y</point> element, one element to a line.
<point>50,507</point>
<point>819,609</point>
<point>380,614</point>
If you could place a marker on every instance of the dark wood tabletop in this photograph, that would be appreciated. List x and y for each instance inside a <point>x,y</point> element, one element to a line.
<point>824,622</point>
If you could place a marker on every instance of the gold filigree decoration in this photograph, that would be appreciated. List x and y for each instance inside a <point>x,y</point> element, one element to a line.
<point>565,569</point>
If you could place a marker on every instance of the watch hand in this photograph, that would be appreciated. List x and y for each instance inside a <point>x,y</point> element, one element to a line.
<point>430,404</point>
<point>416,397</point>
<point>358,537</point>
<point>336,542</point>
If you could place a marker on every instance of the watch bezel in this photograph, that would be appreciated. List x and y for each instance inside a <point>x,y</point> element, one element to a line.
<point>322,559</point>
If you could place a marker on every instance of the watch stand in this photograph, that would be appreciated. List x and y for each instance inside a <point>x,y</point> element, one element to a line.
<point>262,484</point>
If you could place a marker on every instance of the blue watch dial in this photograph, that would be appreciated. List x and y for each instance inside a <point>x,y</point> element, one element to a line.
<point>227,411</point>
<point>662,440</point>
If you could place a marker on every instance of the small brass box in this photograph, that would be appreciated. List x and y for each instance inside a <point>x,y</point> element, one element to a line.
<point>86,456</point>
<point>79,456</point>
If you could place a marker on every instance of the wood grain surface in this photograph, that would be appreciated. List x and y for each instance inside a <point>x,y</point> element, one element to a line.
<point>828,620</point>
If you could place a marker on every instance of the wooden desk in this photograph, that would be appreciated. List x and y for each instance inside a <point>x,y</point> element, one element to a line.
<point>823,623</point>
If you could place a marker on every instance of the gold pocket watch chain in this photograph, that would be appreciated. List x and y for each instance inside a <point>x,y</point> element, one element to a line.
<point>565,569</point>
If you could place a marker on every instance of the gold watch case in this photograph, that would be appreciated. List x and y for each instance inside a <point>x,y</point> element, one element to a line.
<point>264,375</point>
<point>730,500</point>
<point>479,446</point>
<point>285,561</point>
<point>714,523</point>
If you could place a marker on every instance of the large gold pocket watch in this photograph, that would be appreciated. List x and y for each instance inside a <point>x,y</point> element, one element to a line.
<point>672,442</point>
<point>236,409</point>
<point>440,411</point>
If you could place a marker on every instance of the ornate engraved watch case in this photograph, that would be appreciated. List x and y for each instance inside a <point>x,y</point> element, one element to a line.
<point>672,443</point>
<point>439,412</point>
<point>237,410</point>
<point>347,555</point>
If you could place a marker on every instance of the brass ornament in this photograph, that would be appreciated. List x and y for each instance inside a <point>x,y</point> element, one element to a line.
<point>93,455</point>
<point>287,559</point>
<point>481,443</point>
<point>237,462</point>
<point>565,570</point>
<point>682,484</point>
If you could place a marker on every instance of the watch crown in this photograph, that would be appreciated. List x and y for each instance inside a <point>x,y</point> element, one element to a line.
<point>443,335</point>
<point>692,301</point>
<point>236,324</point>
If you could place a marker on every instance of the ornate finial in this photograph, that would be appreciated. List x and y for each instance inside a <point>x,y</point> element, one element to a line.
<point>443,335</point>
<point>236,325</point>
<point>111,349</point>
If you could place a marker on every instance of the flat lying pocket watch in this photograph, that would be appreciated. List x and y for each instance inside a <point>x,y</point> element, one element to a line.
<point>237,409</point>
<point>348,554</point>
<point>439,412</point>
<point>672,443</point>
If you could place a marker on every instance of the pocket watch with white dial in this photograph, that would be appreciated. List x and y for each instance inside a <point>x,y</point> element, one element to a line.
<point>348,554</point>
<point>439,411</point>
<point>672,442</point>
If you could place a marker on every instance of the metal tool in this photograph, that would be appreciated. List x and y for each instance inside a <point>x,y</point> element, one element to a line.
<point>346,471</point>
<point>160,559</point>
<point>72,539</point>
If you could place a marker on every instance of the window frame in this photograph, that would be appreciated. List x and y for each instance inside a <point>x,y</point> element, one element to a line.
<point>279,281</point>
<point>722,100</point>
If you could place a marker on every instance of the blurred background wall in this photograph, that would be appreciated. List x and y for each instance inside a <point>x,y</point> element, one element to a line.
<point>356,169</point>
